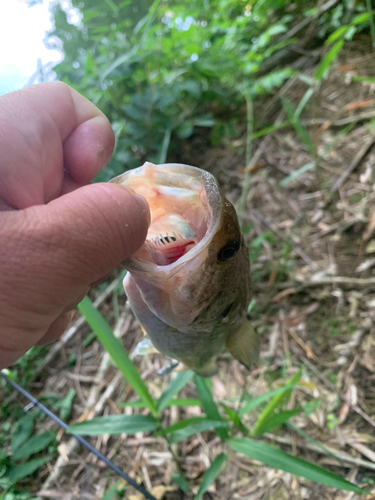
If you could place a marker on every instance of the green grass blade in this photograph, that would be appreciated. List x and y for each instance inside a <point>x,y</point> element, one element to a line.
<point>294,175</point>
<point>209,404</point>
<point>114,424</point>
<point>174,388</point>
<point>116,350</point>
<point>366,79</point>
<point>305,99</point>
<point>210,475</point>
<point>338,137</point>
<point>165,145</point>
<point>269,410</point>
<point>328,59</point>
<point>299,128</point>
<point>278,459</point>
<point>196,428</point>
<point>269,130</point>
<point>255,402</point>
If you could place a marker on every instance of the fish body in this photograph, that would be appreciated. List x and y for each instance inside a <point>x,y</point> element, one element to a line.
<point>189,284</point>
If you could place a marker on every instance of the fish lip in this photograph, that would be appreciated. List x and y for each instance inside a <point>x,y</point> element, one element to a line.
<point>214,198</point>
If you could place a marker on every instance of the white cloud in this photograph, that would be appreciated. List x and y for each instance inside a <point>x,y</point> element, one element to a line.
<point>22,30</point>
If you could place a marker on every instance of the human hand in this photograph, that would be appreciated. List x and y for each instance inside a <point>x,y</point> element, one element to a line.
<point>58,235</point>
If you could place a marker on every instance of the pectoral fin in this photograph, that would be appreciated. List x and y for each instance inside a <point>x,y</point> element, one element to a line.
<point>244,344</point>
<point>208,370</point>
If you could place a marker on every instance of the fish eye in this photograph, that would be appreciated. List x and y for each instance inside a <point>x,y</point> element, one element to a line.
<point>228,251</point>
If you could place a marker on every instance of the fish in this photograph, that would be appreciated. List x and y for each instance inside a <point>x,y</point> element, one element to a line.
<point>189,284</point>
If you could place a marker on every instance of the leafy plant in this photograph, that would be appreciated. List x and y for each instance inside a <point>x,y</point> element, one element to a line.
<point>231,426</point>
<point>25,453</point>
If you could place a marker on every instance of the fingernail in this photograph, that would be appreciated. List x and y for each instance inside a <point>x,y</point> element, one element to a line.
<point>143,204</point>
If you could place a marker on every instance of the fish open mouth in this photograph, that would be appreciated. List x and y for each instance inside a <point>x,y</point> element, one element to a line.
<point>183,203</point>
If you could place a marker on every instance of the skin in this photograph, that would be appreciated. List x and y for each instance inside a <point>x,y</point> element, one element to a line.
<point>59,234</point>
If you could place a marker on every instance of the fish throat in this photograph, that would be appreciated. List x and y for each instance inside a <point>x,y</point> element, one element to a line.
<point>164,250</point>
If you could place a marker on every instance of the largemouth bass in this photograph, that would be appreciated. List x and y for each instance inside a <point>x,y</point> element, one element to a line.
<point>189,284</point>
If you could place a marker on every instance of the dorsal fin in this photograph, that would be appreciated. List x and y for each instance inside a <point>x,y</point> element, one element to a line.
<point>244,344</point>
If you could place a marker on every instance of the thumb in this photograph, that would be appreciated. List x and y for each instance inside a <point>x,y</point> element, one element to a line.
<point>52,253</point>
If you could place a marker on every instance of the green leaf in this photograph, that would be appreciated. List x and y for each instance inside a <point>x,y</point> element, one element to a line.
<point>27,469</point>
<point>172,402</point>
<point>276,402</point>
<point>113,491</point>
<point>272,80</point>
<point>35,444</point>
<point>66,405</point>
<point>124,58</point>
<point>181,481</point>
<point>116,350</point>
<point>181,424</point>
<point>133,404</point>
<point>255,402</point>
<point>235,419</point>
<point>210,475</point>
<point>196,428</point>
<point>328,59</point>
<point>361,18</point>
<point>115,424</point>
<point>185,129</point>
<point>339,33</point>
<point>23,431</point>
<point>209,404</point>
<point>174,388</point>
<point>184,402</point>
<point>278,459</point>
<point>278,419</point>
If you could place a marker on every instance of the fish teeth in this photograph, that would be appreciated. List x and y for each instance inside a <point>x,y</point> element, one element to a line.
<point>165,239</point>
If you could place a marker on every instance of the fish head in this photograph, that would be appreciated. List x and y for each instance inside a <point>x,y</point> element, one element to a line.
<point>189,283</point>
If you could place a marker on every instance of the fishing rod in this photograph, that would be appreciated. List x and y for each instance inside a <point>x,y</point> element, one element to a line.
<point>35,402</point>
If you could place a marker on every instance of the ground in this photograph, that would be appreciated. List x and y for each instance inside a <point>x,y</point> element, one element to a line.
<point>313,268</point>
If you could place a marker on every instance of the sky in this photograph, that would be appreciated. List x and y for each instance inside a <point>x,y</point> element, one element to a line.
<point>22,30</point>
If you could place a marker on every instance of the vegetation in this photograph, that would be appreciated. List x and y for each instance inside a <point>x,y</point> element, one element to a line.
<point>163,71</point>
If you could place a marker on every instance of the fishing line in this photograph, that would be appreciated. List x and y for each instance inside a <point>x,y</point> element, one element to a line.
<point>35,402</point>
